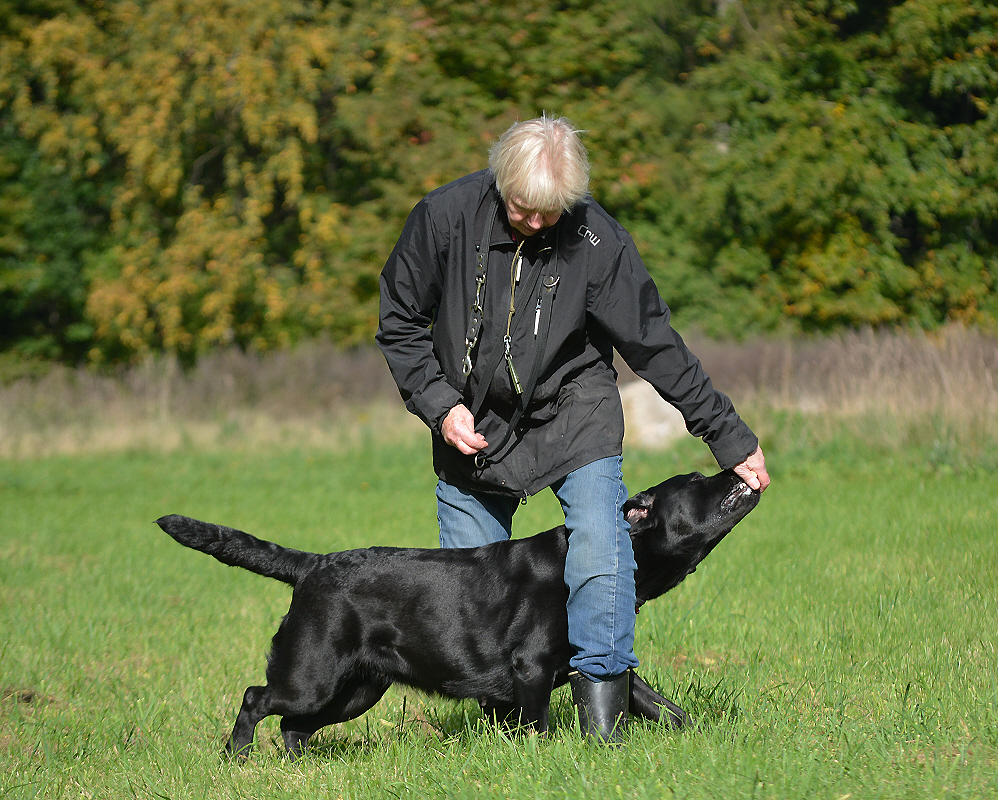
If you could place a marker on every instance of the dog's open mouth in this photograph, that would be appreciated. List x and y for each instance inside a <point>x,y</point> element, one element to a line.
<point>740,490</point>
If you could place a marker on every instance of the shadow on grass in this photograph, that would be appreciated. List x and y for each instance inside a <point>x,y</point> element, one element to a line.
<point>443,725</point>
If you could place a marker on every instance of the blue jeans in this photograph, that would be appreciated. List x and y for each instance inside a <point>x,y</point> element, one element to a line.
<point>599,570</point>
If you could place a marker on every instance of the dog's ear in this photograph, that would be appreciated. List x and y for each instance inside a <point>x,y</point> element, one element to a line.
<point>637,508</point>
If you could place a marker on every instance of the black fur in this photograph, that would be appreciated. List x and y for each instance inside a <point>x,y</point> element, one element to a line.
<point>487,623</point>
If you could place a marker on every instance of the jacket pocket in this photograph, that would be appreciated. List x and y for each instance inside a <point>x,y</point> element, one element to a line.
<point>588,415</point>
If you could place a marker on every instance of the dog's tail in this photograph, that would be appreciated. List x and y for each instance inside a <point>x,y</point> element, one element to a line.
<point>238,549</point>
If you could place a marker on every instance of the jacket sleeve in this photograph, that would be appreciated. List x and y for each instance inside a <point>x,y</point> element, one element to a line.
<point>625,302</point>
<point>411,284</point>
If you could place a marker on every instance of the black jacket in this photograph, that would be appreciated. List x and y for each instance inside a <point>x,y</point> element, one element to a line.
<point>583,281</point>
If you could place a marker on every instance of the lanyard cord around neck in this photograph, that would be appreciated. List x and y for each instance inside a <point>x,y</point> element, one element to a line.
<point>481,272</point>
<point>514,279</point>
<point>542,324</point>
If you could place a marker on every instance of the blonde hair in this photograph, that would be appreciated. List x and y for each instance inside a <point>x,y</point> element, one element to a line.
<point>542,164</point>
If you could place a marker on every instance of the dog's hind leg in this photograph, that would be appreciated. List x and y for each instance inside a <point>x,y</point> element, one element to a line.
<point>646,702</point>
<point>297,730</point>
<point>356,697</point>
<point>254,708</point>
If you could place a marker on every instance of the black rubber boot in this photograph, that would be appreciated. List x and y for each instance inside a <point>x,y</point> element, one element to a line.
<point>602,706</point>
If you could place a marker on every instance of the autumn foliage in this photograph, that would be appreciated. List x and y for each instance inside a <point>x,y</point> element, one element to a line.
<point>175,176</point>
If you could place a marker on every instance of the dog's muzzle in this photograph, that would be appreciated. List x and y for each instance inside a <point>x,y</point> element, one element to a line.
<point>741,490</point>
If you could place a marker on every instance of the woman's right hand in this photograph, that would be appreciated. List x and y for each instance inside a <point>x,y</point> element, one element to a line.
<point>458,430</point>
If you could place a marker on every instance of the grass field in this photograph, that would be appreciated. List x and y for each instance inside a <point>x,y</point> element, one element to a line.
<point>840,643</point>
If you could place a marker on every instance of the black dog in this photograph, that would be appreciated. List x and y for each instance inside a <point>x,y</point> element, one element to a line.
<point>487,622</point>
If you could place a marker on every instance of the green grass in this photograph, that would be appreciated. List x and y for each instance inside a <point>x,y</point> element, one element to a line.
<point>839,643</point>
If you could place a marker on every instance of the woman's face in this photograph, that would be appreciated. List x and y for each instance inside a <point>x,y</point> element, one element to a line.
<point>529,221</point>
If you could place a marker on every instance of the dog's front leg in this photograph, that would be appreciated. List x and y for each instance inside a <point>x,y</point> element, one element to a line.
<point>646,702</point>
<point>532,695</point>
<point>499,713</point>
<point>535,716</point>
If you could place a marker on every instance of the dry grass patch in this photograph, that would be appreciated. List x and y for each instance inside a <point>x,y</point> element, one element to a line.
<point>316,395</point>
<point>887,387</point>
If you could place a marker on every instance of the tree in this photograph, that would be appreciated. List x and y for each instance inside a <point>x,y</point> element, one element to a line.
<point>216,123</point>
<point>263,155</point>
<point>843,172</point>
<point>182,176</point>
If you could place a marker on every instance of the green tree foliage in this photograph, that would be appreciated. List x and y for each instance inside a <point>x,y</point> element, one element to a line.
<point>263,155</point>
<point>47,232</point>
<point>16,16</point>
<point>845,170</point>
<point>218,122</point>
<point>183,175</point>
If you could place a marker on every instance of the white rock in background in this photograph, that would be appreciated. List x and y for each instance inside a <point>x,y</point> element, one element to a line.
<point>649,421</point>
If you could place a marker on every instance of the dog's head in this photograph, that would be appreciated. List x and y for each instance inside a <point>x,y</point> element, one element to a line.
<point>676,524</point>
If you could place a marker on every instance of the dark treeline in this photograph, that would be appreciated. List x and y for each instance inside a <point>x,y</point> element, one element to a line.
<point>179,175</point>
